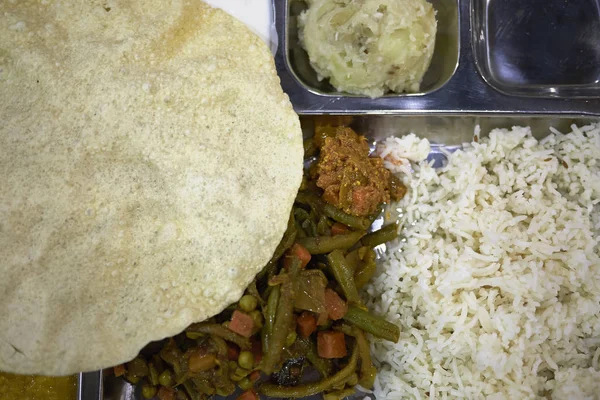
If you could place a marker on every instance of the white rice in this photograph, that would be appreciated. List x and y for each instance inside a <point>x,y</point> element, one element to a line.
<point>496,284</point>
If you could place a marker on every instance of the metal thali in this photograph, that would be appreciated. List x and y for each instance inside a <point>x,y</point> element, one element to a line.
<point>496,64</point>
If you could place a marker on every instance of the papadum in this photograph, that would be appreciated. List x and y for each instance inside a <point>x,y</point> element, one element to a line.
<point>149,161</point>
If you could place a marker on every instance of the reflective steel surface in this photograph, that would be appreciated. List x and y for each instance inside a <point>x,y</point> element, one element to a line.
<point>540,48</point>
<point>90,386</point>
<point>465,92</point>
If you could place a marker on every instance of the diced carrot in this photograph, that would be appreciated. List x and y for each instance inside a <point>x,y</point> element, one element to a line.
<point>120,370</point>
<point>336,307</point>
<point>339,229</point>
<point>298,251</point>
<point>257,350</point>
<point>331,344</point>
<point>306,324</point>
<point>241,323</point>
<point>166,393</point>
<point>233,351</point>
<point>254,376</point>
<point>248,395</point>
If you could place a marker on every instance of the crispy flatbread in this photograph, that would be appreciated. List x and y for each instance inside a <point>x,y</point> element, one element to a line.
<point>148,160</point>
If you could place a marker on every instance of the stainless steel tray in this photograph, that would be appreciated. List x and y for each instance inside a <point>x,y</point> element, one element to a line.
<point>466,86</point>
<point>469,38</point>
<point>543,48</point>
<point>439,129</point>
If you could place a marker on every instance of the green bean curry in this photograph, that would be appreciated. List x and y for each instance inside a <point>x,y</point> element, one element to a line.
<point>301,327</point>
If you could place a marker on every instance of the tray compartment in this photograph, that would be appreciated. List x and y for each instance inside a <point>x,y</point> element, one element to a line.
<point>443,63</point>
<point>543,48</point>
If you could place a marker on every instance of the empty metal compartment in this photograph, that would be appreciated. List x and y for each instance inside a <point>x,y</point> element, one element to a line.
<point>543,48</point>
<point>443,64</point>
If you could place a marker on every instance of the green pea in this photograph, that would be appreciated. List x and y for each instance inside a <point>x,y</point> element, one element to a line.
<point>232,365</point>
<point>257,317</point>
<point>246,360</point>
<point>148,391</point>
<point>245,384</point>
<point>248,303</point>
<point>165,378</point>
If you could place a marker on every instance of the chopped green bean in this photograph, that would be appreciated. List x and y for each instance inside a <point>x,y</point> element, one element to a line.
<point>191,390</point>
<point>289,236</point>
<point>204,386</point>
<point>353,260</point>
<point>283,320</point>
<point>132,379</point>
<point>352,380</point>
<point>309,389</point>
<point>326,244</point>
<point>225,391</point>
<point>194,335</point>
<point>367,369</point>
<point>234,377</point>
<point>221,331</point>
<point>220,345</point>
<point>291,338</point>
<point>270,310</point>
<point>385,234</point>
<point>172,355</point>
<point>308,348</point>
<point>364,273</point>
<point>158,363</point>
<point>153,374</point>
<point>252,290</point>
<point>323,226</point>
<point>321,206</point>
<point>352,221</point>
<point>343,275</point>
<point>372,324</point>
<point>309,227</point>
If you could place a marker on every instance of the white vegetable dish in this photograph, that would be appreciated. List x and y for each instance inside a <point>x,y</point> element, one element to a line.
<point>369,47</point>
<point>496,284</point>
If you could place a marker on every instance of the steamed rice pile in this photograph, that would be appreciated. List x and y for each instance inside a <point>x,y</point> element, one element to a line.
<point>496,284</point>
